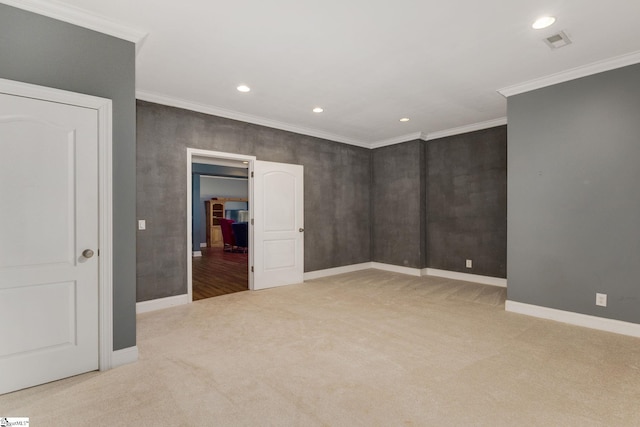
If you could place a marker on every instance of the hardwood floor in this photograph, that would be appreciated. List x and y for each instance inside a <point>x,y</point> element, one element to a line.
<point>218,273</point>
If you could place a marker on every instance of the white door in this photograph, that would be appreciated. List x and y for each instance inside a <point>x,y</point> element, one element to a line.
<point>48,220</point>
<point>278,198</point>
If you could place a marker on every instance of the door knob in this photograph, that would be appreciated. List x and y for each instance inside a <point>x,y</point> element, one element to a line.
<point>87,253</point>
<point>301,230</point>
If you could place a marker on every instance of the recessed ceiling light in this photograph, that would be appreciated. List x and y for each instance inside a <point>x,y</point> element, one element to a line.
<point>318,110</point>
<point>243,88</point>
<point>245,162</point>
<point>404,119</point>
<point>543,22</point>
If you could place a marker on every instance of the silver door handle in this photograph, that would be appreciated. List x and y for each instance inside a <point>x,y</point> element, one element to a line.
<point>301,230</point>
<point>87,253</point>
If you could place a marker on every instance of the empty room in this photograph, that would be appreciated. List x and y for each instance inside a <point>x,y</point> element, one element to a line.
<point>336,213</point>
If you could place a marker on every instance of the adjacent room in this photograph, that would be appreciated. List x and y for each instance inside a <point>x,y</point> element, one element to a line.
<point>220,237</point>
<point>338,213</point>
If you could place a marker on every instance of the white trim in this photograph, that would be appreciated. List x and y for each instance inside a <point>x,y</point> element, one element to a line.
<point>248,118</point>
<point>397,140</point>
<point>440,134</point>
<point>578,319</point>
<point>466,129</point>
<point>195,152</point>
<point>104,109</point>
<point>161,303</point>
<point>229,178</point>
<point>105,234</point>
<point>196,254</point>
<point>317,274</point>
<point>219,162</point>
<point>572,74</point>
<point>235,115</point>
<point>484,280</point>
<point>124,356</point>
<point>83,18</point>
<point>476,278</point>
<point>396,269</point>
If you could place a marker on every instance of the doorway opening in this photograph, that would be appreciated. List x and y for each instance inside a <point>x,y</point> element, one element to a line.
<point>218,230</point>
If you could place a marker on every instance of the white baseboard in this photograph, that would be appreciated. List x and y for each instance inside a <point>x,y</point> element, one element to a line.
<point>203,245</point>
<point>197,253</point>
<point>578,319</point>
<point>476,278</point>
<point>337,270</point>
<point>485,280</point>
<point>124,356</point>
<point>160,303</point>
<point>396,269</point>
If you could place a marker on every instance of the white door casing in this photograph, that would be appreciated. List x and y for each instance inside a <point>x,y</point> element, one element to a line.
<point>196,155</point>
<point>278,224</point>
<point>52,187</point>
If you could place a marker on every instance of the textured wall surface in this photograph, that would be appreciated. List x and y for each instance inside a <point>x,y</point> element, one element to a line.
<point>467,202</point>
<point>337,176</point>
<point>43,51</point>
<point>574,204</point>
<point>398,204</point>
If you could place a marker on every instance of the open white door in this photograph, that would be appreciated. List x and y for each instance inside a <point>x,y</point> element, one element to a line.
<point>48,241</point>
<point>278,195</point>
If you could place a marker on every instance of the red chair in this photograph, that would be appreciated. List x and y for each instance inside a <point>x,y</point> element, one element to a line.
<point>227,233</point>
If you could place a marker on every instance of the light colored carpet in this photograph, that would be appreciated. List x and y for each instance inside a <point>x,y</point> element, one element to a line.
<point>362,349</point>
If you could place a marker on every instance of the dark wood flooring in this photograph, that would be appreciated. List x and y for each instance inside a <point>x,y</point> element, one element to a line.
<point>218,273</point>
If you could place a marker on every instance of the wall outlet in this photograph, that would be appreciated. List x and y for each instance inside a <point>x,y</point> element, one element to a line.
<point>469,263</point>
<point>142,224</point>
<point>601,300</point>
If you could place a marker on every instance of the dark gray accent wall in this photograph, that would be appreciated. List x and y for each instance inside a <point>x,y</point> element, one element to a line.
<point>398,204</point>
<point>336,186</point>
<point>467,202</point>
<point>438,203</point>
<point>574,203</point>
<point>43,51</point>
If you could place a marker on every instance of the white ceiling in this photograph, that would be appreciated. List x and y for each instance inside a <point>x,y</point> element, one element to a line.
<point>368,63</point>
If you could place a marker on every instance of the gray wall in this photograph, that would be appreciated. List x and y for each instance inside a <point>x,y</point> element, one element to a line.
<point>467,202</point>
<point>438,203</point>
<point>43,51</point>
<point>574,203</point>
<point>337,176</point>
<point>398,204</point>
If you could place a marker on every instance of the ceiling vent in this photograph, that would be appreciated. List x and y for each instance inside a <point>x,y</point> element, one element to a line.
<point>557,40</point>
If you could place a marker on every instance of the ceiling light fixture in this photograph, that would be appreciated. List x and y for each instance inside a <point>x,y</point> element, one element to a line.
<point>543,22</point>
<point>318,110</point>
<point>243,88</point>
<point>404,119</point>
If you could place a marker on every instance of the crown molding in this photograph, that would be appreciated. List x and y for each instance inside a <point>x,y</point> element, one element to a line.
<point>397,140</point>
<point>572,74</point>
<point>466,129</point>
<point>235,115</point>
<point>80,17</point>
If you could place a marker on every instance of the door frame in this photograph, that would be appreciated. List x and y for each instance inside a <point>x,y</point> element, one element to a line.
<point>104,109</point>
<point>196,152</point>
